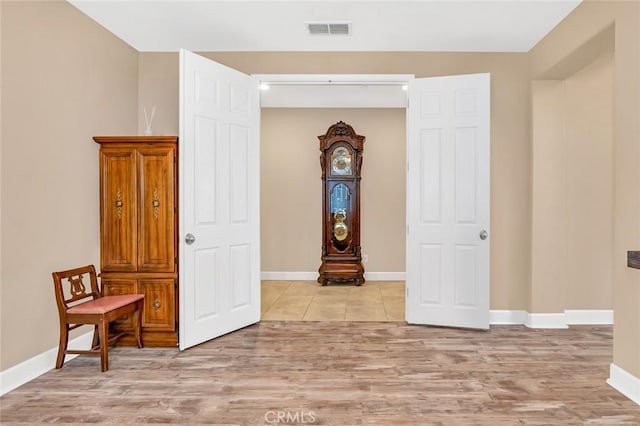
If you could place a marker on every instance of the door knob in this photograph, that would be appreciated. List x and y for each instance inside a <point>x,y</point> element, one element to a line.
<point>483,235</point>
<point>189,239</point>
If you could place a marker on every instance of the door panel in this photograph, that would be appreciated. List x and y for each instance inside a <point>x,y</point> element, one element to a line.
<point>159,304</point>
<point>448,201</point>
<point>239,178</point>
<point>118,209</point>
<point>207,298</point>
<point>465,178</point>
<point>206,153</point>
<point>156,242</point>
<point>219,199</point>
<point>431,283</point>
<point>430,194</point>
<point>240,279</point>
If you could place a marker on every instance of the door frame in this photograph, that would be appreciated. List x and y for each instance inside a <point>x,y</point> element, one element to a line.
<point>344,81</point>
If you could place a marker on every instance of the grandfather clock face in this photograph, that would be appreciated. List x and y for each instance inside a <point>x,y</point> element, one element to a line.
<point>341,161</point>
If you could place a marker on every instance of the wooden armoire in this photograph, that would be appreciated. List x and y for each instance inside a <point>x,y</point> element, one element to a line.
<point>138,229</point>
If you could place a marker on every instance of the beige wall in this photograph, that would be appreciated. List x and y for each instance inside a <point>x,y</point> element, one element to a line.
<point>572,191</point>
<point>554,58</point>
<point>588,137</point>
<point>158,87</point>
<point>291,186</point>
<point>64,79</point>
<point>548,218</point>
<point>510,138</point>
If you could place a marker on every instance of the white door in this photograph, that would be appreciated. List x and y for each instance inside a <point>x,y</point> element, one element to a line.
<point>448,218</point>
<point>219,200</point>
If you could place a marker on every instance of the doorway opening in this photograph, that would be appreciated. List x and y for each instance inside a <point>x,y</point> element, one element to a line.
<point>573,181</point>
<point>295,110</point>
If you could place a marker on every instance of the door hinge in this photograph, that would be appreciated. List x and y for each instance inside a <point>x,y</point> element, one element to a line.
<point>175,260</point>
<point>407,291</point>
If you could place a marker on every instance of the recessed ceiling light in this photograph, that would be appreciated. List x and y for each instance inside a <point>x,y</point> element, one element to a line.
<point>264,86</point>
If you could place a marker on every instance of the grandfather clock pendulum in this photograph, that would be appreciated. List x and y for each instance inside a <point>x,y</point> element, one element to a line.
<point>341,161</point>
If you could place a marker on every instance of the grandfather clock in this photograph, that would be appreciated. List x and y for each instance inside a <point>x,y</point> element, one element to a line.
<point>341,161</point>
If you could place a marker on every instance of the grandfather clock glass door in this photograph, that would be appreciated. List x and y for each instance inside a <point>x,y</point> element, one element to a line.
<point>341,160</point>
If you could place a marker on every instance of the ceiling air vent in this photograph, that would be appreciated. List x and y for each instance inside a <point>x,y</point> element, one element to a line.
<point>329,28</point>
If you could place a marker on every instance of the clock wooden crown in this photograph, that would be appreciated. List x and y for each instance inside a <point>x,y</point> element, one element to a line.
<point>341,132</point>
<point>341,162</point>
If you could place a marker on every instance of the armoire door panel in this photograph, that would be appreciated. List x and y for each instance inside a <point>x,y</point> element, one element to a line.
<point>156,233</point>
<point>115,287</point>
<point>159,304</point>
<point>119,210</point>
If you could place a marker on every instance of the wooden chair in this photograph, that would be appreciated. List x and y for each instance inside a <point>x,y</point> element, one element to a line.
<point>78,306</point>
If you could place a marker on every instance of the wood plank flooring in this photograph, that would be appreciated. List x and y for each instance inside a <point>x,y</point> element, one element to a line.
<point>341,373</point>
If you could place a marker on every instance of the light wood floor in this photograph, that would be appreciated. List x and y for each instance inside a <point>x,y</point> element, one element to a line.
<point>309,301</point>
<point>345,373</point>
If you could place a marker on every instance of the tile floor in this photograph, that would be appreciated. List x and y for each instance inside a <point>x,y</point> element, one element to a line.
<point>309,301</point>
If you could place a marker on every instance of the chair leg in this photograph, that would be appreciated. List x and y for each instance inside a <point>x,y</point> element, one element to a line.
<point>94,343</point>
<point>62,345</point>
<point>137,321</point>
<point>103,331</point>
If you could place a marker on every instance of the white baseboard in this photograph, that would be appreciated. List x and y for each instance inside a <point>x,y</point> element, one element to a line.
<point>589,316</point>
<point>570,317</point>
<point>288,276</point>
<point>556,320</point>
<point>546,321</point>
<point>20,374</point>
<point>312,276</point>
<point>624,382</point>
<point>385,276</point>
<point>505,317</point>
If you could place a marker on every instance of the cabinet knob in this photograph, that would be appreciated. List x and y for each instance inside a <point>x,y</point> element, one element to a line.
<point>155,203</point>
<point>189,239</point>
<point>483,235</point>
<point>118,203</point>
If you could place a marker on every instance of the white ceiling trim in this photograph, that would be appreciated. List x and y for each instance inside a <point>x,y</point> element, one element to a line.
<point>334,90</point>
<point>334,79</point>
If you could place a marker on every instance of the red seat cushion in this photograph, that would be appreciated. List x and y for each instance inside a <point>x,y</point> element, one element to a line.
<point>105,304</point>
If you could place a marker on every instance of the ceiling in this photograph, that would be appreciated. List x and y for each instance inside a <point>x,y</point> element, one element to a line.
<point>383,25</point>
